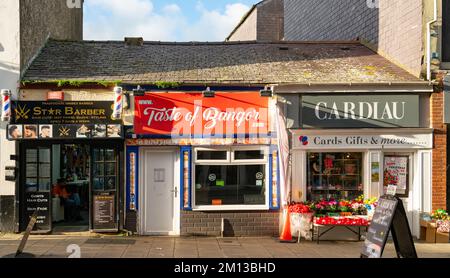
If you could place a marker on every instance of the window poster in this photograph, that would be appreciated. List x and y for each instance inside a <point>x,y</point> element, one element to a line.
<point>375,171</point>
<point>396,173</point>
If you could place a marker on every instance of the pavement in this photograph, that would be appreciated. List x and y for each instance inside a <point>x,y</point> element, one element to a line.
<point>102,246</point>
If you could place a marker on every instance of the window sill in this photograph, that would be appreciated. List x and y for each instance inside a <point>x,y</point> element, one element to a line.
<point>231,208</point>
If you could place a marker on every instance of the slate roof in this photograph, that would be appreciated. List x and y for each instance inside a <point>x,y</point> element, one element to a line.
<point>214,63</point>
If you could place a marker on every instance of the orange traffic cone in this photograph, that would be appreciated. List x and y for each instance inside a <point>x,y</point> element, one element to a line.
<point>286,235</point>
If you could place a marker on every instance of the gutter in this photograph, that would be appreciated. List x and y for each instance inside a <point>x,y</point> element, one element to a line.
<point>435,16</point>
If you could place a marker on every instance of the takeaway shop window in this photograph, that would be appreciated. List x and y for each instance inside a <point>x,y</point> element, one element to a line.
<point>334,176</point>
<point>232,183</point>
<point>249,155</point>
<point>212,155</point>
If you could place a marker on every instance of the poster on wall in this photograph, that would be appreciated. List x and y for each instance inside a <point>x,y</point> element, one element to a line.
<point>396,173</point>
<point>375,172</point>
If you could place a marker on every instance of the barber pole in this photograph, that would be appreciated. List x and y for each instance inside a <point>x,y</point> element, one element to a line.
<point>118,103</point>
<point>6,105</point>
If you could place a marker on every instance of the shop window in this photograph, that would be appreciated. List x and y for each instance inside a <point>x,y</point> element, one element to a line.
<point>212,155</point>
<point>241,181</point>
<point>334,176</point>
<point>38,170</point>
<point>396,172</point>
<point>105,170</point>
<point>249,154</point>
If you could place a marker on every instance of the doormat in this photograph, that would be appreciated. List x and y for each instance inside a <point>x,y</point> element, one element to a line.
<point>110,241</point>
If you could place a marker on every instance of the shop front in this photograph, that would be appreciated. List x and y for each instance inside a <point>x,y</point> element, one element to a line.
<point>69,165</point>
<point>353,145</point>
<point>201,165</point>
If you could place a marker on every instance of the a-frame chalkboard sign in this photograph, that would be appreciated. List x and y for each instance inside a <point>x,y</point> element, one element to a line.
<point>389,216</point>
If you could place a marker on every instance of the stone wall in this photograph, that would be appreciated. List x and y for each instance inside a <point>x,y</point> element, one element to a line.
<point>247,30</point>
<point>43,18</point>
<point>264,23</point>
<point>393,29</point>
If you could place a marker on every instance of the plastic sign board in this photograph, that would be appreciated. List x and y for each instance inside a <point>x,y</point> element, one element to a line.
<point>55,96</point>
<point>186,114</point>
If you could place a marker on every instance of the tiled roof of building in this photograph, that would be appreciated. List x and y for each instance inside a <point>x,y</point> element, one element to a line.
<point>214,63</point>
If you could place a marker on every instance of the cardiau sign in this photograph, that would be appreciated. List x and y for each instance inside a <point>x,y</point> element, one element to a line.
<point>359,111</point>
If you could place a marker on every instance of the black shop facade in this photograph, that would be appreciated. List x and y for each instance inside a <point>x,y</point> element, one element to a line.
<point>68,164</point>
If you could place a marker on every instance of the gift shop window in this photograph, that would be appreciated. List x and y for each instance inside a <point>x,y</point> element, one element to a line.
<point>230,178</point>
<point>334,176</point>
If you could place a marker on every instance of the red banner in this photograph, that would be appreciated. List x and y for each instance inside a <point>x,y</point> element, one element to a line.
<point>190,114</point>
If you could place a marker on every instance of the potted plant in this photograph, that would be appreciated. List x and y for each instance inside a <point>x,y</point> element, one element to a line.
<point>345,208</point>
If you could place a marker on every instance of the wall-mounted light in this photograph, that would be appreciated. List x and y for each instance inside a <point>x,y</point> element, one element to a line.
<point>208,93</point>
<point>126,100</point>
<point>267,92</point>
<point>6,105</point>
<point>138,92</point>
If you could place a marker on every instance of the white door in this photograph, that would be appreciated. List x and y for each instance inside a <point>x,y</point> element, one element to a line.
<point>160,212</point>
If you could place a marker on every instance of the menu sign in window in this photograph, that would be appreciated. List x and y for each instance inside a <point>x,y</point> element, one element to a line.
<point>105,211</point>
<point>40,202</point>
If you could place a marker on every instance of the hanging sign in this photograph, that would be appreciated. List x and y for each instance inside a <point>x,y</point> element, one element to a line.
<point>190,114</point>
<point>64,112</point>
<point>389,216</point>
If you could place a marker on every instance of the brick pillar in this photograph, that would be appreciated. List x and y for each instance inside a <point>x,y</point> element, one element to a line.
<point>439,179</point>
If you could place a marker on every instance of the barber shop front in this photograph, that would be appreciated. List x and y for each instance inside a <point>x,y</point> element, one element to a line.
<point>353,145</point>
<point>202,164</point>
<point>69,165</point>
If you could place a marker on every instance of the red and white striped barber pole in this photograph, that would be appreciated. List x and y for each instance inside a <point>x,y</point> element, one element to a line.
<point>118,103</point>
<point>6,105</point>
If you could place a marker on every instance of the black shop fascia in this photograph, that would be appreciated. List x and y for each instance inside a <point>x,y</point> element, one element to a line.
<point>69,158</point>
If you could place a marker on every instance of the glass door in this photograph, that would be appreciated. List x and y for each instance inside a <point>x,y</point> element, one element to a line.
<point>105,181</point>
<point>37,187</point>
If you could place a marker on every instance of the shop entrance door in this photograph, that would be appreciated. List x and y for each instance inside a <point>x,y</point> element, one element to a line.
<point>160,196</point>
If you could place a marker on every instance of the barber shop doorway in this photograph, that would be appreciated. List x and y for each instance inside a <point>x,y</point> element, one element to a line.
<point>74,186</point>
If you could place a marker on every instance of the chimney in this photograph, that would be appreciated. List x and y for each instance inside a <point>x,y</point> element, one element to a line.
<point>134,41</point>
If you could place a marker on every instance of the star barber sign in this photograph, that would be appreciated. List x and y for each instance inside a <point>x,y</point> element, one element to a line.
<point>190,114</point>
